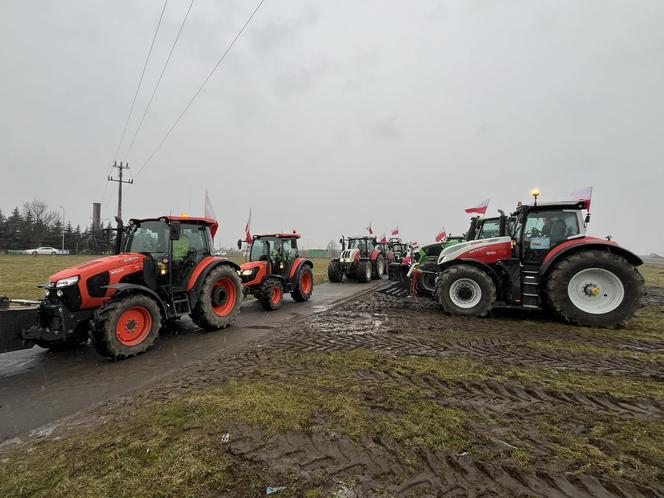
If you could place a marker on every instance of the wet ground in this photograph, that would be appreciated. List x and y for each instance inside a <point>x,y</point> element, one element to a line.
<point>38,387</point>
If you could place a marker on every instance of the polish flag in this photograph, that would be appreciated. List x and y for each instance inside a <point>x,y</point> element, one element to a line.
<point>441,235</point>
<point>395,231</point>
<point>480,209</point>
<point>384,240</point>
<point>208,209</point>
<point>247,234</point>
<point>369,229</point>
<point>583,195</point>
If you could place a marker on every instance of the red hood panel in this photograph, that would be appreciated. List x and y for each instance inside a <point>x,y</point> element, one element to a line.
<point>99,265</point>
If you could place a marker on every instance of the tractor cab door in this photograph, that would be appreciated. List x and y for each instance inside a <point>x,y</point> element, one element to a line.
<point>187,251</point>
<point>290,254</point>
<point>544,230</point>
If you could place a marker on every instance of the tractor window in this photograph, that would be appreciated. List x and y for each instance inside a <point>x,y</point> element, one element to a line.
<point>490,229</point>
<point>290,249</point>
<point>149,236</point>
<point>191,245</point>
<point>259,250</point>
<point>546,229</point>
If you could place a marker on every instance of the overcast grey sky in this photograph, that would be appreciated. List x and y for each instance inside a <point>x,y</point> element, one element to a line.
<point>330,114</point>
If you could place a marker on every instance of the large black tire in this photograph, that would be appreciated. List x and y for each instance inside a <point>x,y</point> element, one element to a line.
<point>557,289</point>
<point>334,272</point>
<point>364,271</point>
<point>135,316</point>
<point>270,294</point>
<point>305,284</point>
<point>465,290</point>
<point>379,267</point>
<point>218,305</point>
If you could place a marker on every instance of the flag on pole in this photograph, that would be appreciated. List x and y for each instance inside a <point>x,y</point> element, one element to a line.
<point>369,229</point>
<point>383,239</point>
<point>584,194</point>
<point>208,209</point>
<point>480,208</point>
<point>247,232</point>
<point>395,231</point>
<point>441,235</point>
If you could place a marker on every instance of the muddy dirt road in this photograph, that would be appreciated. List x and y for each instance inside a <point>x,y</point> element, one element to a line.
<point>38,387</point>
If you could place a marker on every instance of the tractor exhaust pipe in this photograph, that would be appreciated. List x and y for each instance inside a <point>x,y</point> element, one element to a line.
<point>118,235</point>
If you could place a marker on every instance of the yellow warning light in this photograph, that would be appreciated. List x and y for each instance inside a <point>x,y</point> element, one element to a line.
<point>183,215</point>
<point>535,193</point>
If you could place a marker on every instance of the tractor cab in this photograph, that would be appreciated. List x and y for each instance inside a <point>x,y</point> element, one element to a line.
<point>365,245</point>
<point>174,247</point>
<point>278,250</point>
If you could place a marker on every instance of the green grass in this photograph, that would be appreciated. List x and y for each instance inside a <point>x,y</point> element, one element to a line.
<point>20,275</point>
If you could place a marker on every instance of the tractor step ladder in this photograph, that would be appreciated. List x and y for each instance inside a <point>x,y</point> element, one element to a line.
<point>180,303</point>
<point>530,286</point>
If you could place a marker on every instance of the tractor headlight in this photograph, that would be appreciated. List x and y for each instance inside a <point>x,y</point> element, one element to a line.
<point>247,272</point>
<point>66,282</point>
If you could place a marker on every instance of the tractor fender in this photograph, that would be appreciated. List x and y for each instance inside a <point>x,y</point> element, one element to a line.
<point>201,271</point>
<point>300,263</point>
<point>584,244</point>
<point>123,288</point>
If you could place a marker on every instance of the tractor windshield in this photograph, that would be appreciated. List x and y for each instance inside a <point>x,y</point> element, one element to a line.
<point>490,229</point>
<point>149,236</point>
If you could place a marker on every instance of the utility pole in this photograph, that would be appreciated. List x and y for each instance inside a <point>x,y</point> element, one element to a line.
<point>121,167</point>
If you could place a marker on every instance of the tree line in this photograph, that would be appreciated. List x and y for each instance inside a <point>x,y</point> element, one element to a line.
<point>34,225</point>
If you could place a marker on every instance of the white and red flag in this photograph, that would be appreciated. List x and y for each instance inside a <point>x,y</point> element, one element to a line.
<point>584,194</point>
<point>208,209</point>
<point>441,235</point>
<point>480,208</point>
<point>247,232</point>
<point>395,231</point>
<point>369,229</point>
<point>383,239</point>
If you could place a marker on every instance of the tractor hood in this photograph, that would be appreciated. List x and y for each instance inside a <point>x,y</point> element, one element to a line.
<point>119,263</point>
<point>454,251</point>
<point>349,255</point>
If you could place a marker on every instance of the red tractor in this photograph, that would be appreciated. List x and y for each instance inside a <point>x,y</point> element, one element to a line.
<point>275,267</point>
<point>361,258</point>
<point>547,261</point>
<point>163,270</point>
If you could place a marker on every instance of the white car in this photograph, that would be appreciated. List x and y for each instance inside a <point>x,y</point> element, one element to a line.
<point>45,250</point>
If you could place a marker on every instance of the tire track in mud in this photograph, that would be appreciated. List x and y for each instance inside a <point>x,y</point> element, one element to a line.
<point>376,468</point>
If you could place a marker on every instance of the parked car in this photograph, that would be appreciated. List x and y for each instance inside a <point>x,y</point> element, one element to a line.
<point>46,250</point>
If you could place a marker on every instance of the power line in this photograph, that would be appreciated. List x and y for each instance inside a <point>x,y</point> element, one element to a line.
<point>163,70</point>
<point>191,101</point>
<point>140,81</point>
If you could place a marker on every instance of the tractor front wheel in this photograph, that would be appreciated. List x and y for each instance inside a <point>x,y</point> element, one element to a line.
<point>364,271</point>
<point>271,294</point>
<point>305,285</point>
<point>219,302</point>
<point>130,328</point>
<point>334,271</point>
<point>594,289</point>
<point>465,291</point>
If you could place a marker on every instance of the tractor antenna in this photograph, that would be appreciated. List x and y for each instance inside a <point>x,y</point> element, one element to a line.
<point>121,167</point>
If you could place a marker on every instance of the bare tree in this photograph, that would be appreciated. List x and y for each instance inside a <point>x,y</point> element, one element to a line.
<point>40,218</point>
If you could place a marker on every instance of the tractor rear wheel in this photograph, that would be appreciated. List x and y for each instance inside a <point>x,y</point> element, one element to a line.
<point>219,302</point>
<point>334,271</point>
<point>464,290</point>
<point>130,328</point>
<point>594,289</point>
<point>379,267</point>
<point>364,271</point>
<point>271,294</point>
<point>305,285</point>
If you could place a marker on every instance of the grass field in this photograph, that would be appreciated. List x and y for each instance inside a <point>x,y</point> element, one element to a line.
<point>20,275</point>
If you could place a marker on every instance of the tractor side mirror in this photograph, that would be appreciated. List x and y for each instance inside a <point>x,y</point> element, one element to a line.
<point>502,227</point>
<point>587,218</point>
<point>239,244</point>
<point>174,230</point>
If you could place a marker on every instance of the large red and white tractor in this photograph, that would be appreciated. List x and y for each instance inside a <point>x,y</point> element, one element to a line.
<point>361,259</point>
<point>547,261</point>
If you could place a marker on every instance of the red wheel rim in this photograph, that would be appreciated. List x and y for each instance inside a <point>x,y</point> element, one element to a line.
<point>306,282</point>
<point>276,295</point>
<point>224,297</point>
<point>133,326</point>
